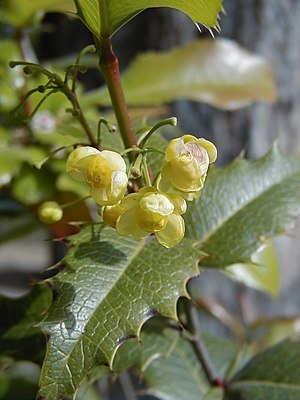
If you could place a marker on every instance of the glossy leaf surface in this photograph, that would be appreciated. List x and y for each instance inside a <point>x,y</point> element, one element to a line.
<point>217,72</point>
<point>242,205</point>
<point>105,17</point>
<point>110,287</point>
<point>262,274</point>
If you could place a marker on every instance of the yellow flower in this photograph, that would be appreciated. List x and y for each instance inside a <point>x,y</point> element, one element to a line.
<point>106,175</point>
<point>150,211</point>
<point>78,160</point>
<point>185,168</point>
<point>104,172</point>
<point>50,212</point>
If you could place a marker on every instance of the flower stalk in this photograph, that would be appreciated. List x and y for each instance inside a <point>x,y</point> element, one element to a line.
<point>109,66</point>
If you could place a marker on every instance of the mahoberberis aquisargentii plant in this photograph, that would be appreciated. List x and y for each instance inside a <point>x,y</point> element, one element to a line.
<point>164,219</point>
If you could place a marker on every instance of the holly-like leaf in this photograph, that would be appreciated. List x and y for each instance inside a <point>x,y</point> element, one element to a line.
<point>217,72</point>
<point>104,17</point>
<point>20,337</point>
<point>244,204</point>
<point>270,375</point>
<point>109,288</point>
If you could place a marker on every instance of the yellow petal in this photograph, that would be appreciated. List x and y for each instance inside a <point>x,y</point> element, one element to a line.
<point>210,148</point>
<point>156,203</point>
<point>185,173</point>
<point>151,221</point>
<point>118,184</point>
<point>173,232</point>
<point>174,149</point>
<point>98,173</point>
<point>111,214</point>
<point>78,160</point>
<point>178,202</point>
<point>131,200</point>
<point>127,224</point>
<point>188,138</point>
<point>116,161</point>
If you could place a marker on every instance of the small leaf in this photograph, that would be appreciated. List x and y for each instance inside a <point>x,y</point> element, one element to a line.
<point>104,17</point>
<point>19,336</point>
<point>217,72</point>
<point>270,375</point>
<point>244,204</point>
<point>109,288</point>
<point>262,274</point>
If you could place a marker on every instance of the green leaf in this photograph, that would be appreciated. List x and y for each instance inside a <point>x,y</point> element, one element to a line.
<point>20,337</point>
<point>20,13</point>
<point>166,360</point>
<point>109,288</point>
<point>217,72</point>
<point>105,17</point>
<point>262,274</point>
<point>242,205</point>
<point>270,375</point>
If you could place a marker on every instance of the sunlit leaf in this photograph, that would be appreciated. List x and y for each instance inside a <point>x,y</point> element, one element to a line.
<point>109,288</point>
<point>217,72</point>
<point>261,274</point>
<point>104,17</point>
<point>244,204</point>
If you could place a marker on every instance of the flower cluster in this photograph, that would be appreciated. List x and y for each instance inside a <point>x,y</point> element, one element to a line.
<point>152,210</point>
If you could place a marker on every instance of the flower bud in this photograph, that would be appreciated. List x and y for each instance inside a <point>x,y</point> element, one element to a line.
<point>150,211</point>
<point>186,164</point>
<point>50,212</point>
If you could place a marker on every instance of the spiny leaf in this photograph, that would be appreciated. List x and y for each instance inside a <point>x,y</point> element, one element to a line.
<point>244,204</point>
<point>105,17</point>
<point>110,287</point>
<point>270,375</point>
<point>217,72</point>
